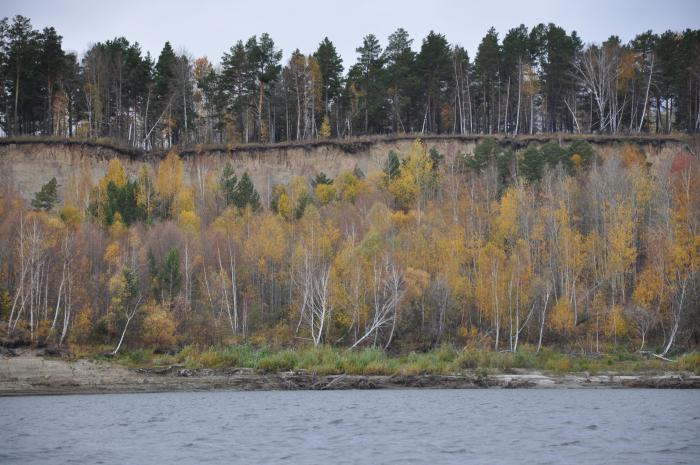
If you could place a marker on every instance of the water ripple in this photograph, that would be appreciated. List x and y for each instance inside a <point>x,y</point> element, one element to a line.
<point>347,427</point>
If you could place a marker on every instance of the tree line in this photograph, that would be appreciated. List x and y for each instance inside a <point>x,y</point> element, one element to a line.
<point>549,245</point>
<point>539,79</point>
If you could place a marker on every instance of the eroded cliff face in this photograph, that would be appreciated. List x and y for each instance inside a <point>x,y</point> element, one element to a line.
<point>27,165</point>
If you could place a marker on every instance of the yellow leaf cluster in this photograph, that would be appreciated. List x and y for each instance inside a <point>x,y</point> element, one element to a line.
<point>158,329</point>
<point>169,180</point>
<point>325,193</point>
<point>562,317</point>
<point>325,131</point>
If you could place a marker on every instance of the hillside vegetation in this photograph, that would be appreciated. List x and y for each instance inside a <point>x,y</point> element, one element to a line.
<point>495,250</point>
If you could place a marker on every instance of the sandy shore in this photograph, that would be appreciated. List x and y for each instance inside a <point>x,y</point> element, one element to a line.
<point>29,374</point>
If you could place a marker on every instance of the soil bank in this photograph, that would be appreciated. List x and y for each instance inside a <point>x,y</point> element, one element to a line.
<point>28,374</point>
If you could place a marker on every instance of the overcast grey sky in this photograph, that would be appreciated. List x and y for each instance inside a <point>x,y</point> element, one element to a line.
<point>210,27</point>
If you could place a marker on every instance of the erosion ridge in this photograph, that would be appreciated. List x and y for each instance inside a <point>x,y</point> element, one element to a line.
<point>353,144</point>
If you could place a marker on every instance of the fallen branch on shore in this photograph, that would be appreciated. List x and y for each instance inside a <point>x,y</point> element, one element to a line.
<point>645,352</point>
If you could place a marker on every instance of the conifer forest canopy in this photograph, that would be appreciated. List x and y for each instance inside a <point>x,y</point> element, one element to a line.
<point>520,81</point>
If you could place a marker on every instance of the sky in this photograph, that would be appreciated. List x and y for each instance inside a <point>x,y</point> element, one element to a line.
<point>211,27</point>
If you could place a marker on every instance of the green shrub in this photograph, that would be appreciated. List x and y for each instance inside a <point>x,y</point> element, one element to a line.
<point>525,360</point>
<point>138,357</point>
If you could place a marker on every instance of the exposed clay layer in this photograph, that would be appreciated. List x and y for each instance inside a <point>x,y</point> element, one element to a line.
<point>29,163</point>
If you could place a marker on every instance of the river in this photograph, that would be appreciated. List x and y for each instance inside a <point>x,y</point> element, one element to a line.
<point>580,426</point>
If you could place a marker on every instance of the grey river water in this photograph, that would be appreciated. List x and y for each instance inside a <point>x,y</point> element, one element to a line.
<point>597,426</point>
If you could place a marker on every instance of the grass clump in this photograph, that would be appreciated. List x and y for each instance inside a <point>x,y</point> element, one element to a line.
<point>558,364</point>
<point>234,356</point>
<point>428,363</point>
<point>381,367</point>
<point>690,362</point>
<point>286,360</point>
<point>134,358</point>
<point>504,361</point>
<point>211,358</point>
<point>358,363</point>
<point>445,359</point>
<point>321,360</point>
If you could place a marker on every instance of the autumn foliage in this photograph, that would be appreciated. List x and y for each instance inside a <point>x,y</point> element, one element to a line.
<point>546,246</point>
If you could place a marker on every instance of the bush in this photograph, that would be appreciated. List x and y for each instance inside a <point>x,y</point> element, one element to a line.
<point>525,360</point>
<point>137,357</point>
<point>158,328</point>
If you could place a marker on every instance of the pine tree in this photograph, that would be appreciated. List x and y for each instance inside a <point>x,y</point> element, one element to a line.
<point>402,80</point>
<point>169,275</point>
<point>228,183</point>
<point>532,164</point>
<point>484,152</point>
<point>434,67</point>
<point>553,154</point>
<point>47,197</point>
<point>321,178</point>
<point>123,201</point>
<point>367,76</point>
<point>51,65</point>
<point>246,194</point>
<point>436,158</point>
<point>331,66</point>
<point>165,73</point>
<point>486,66</point>
<point>392,167</point>
<point>586,155</point>
<point>263,59</point>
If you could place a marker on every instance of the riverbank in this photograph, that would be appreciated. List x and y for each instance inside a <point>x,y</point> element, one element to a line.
<point>31,374</point>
